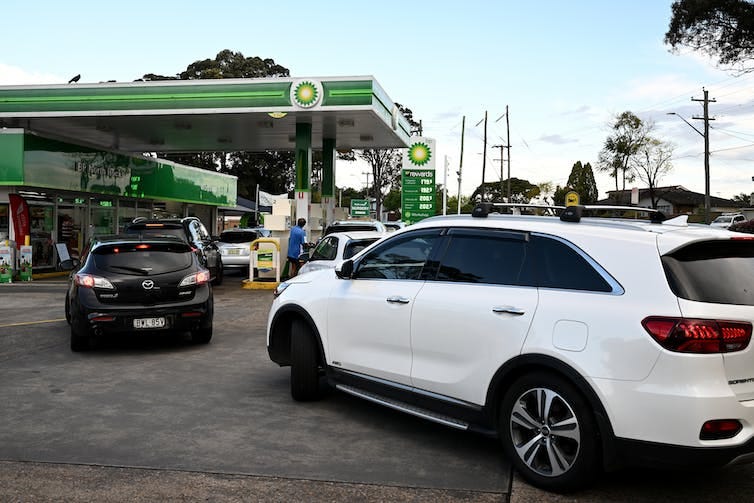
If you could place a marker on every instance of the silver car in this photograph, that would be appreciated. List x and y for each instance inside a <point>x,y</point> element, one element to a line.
<point>235,245</point>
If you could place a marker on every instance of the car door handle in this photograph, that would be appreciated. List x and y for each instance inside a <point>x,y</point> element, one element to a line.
<point>508,310</point>
<point>398,300</point>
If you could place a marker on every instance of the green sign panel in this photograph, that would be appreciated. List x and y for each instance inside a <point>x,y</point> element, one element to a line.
<point>360,207</point>
<point>417,194</point>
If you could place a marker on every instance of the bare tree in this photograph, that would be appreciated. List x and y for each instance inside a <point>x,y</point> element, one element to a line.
<point>651,163</point>
<point>384,163</point>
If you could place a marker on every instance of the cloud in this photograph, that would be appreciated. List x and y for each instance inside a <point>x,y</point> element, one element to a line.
<point>556,139</point>
<point>13,75</point>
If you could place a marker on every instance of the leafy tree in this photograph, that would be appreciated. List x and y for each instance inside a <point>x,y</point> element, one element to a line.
<point>582,181</point>
<point>466,205</point>
<point>651,163</point>
<point>629,133</point>
<point>723,29</point>
<point>271,170</point>
<point>522,191</point>
<point>742,200</point>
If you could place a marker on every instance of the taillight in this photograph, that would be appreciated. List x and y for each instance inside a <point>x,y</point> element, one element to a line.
<point>196,279</point>
<point>717,429</point>
<point>92,281</point>
<point>688,335</point>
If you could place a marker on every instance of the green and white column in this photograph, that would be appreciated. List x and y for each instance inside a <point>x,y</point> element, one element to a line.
<point>303,170</point>
<point>328,179</point>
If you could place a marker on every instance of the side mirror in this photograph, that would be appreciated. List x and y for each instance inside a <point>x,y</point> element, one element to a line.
<point>304,257</point>
<point>344,270</point>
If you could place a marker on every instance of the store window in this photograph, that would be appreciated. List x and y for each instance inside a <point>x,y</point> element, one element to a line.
<point>102,217</point>
<point>42,226</point>
<point>4,222</point>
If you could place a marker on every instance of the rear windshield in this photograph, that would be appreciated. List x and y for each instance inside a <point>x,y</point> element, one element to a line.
<point>158,231</point>
<point>350,228</point>
<point>143,259</point>
<point>356,246</point>
<point>719,271</point>
<point>238,237</point>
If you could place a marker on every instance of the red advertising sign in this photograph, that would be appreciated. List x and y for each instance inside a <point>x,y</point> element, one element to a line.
<point>19,211</point>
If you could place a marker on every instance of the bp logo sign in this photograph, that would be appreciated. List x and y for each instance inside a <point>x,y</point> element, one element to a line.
<point>419,154</point>
<point>306,93</point>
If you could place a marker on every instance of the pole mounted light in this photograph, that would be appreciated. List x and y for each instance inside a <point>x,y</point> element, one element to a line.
<point>706,162</point>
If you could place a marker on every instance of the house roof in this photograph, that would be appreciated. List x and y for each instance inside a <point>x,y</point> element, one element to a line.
<point>676,194</point>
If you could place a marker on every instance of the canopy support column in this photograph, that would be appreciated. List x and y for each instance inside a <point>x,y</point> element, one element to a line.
<point>328,179</point>
<point>303,170</point>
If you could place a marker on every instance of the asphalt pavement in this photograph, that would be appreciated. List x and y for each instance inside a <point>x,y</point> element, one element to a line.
<point>146,420</point>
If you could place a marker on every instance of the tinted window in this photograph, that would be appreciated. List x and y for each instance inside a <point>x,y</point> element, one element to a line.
<point>558,265</point>
<point>355,246</point>
<point>713,271</point>
<point>158,231</point>
<point>492,257</point>
<point>402,258</point>
<point>143,259</point>
<point>327,249</point>
<point>238,236</point>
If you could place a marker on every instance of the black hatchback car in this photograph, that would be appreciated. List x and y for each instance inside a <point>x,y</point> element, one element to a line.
<point>190,229</point>
<point>130,285</point>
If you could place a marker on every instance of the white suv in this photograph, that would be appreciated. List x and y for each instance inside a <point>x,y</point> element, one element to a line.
<point>582,343</point>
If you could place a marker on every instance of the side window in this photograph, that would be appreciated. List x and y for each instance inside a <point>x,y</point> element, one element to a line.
<point>194,231</point>
<point>202,231</point>
<point>492,257</point>
<point>560,266</point>
<point>402,258</point>
<point>327,249</point>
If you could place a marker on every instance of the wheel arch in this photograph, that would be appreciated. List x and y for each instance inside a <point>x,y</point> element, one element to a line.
<point>526,364</point>
<point>279,344</point>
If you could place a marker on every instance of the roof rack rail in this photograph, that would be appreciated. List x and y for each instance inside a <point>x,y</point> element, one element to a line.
<point>567,213</point>
<point>574,213</point>
<point>484,209</point>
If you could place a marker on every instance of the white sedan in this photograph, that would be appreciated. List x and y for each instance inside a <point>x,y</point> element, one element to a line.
<point>337,247</point>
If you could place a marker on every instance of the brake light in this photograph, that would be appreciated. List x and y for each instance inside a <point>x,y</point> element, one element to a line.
<point>196,279</point>
<point>92,281</point>
<point>688,335</point>
<point>142,247</point>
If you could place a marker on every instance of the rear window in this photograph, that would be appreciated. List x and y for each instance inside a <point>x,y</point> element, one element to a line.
<point>234,237</point>
<point>355,246</point>
<point>350,228</point>
<point>143,259</point>
<point>719,271</point>
<point>158,231</point>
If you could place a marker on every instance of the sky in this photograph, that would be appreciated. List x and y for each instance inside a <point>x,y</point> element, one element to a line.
<point>564,70</point>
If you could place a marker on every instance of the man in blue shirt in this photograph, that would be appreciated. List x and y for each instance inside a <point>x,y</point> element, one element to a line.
<point>295,246</point>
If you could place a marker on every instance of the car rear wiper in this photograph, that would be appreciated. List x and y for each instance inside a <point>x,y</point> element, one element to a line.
<point>141,270</point>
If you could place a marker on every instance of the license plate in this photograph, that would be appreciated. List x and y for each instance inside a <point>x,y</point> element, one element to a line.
<point>234,251</point>
<point>149,323</point>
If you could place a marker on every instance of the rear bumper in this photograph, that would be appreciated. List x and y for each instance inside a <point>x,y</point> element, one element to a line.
<point>637,453</point>
<point>104,319</point>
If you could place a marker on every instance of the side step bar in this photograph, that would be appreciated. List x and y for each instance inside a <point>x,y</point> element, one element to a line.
<point>403,407</point>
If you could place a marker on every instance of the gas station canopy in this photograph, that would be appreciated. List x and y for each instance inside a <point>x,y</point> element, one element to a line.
<point>208,115</point>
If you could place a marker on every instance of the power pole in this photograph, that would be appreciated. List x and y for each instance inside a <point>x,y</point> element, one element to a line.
<point>706,119</point>
<point>508,146</point>
<point>502,171</point>
<point>484,155</point>
<point>460,163</point>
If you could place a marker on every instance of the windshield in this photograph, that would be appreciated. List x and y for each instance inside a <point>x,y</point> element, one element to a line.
<point>722,220</point>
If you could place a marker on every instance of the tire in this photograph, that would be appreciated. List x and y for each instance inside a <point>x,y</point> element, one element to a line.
<point>202,335</point>
<point>559,459</point>
<point>304,363</point>
<point>79,341</point>
<point>219,272</point>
